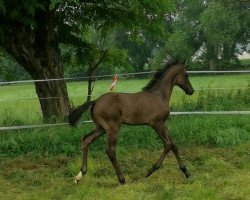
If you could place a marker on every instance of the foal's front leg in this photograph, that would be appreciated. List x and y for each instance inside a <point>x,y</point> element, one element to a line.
<point>163,134</point>
<point>179,160</point>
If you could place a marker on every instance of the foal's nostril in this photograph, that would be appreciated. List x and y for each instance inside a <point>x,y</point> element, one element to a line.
<point>189,91</point>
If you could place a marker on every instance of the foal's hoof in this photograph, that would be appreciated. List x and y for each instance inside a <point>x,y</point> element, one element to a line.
<point>148,174</point>
<point>185,171</point>
<point>151,171</point>
<point>122,181</point>
<point>76,181</point>
<point>187,174</point>
<point>78,178</point>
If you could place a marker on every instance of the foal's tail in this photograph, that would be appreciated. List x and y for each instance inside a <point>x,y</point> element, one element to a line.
<point>75,114</point>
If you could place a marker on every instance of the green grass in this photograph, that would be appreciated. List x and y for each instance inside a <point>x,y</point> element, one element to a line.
<point>13,108</point>
<point>41,163</point>
<point>216,174</point>
<point>211,131</point>
<point>216,131</point>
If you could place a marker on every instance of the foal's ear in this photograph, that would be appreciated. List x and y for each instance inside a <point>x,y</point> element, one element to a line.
<point>184,69</point>
<point>183,66</point>
<point>186,63</point>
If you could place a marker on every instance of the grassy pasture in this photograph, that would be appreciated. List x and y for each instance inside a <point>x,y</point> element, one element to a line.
<point>41,163</point>
<point>15,106</point>
<point>217,174</point>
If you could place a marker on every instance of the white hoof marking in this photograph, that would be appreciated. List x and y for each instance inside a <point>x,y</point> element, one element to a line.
<point>78,177</point>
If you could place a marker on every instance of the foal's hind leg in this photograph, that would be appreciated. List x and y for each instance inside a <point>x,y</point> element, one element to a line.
<point>179,160</point>
<point>111,145</point>
<point>163,134</point>
<point>85,142</point>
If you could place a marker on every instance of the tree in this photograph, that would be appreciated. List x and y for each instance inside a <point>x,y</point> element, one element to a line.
<point>31,32</point>
<point>101,55</point>
<point>220,27</point>
<point>139,46</point>
<point>28,34</point>
<point>11,70</point>
<point>208,31</point>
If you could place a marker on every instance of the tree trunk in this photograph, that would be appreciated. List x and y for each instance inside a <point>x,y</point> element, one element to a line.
<point>93,65</point>
<point>53,97</point>
<point>90,81</point>
<point>213,64</point>
<point>212,57</point>
<point>37,50</point>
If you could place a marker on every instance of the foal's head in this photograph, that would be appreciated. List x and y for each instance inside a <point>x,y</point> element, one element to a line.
<point>183,81</point>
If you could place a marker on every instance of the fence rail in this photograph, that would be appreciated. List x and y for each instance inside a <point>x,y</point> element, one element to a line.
<point>9,128</point>
<point>122,74</point>
<point>3,129</point>
<point>98,94</point>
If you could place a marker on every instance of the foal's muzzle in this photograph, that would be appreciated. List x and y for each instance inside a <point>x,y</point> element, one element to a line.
<point>189,91</point>
<point>186,89</point>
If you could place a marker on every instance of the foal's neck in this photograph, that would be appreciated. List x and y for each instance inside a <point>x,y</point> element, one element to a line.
<point>164,86</point>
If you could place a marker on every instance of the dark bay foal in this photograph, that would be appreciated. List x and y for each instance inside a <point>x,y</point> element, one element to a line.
<point>150,106</point>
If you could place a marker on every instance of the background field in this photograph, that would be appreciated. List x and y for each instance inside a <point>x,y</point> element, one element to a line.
<point>229,91</point>
<point>217,173</point>
<point>42,163</point>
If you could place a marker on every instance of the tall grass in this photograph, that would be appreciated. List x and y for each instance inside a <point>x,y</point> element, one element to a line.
<point>213,100</point>
<point>216,174</point>
<point>214,131</point>
<point>41,163</point>
<point>13,100</point>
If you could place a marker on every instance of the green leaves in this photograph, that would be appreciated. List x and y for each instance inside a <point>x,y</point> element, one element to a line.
<point>220,25</point>
<point>151,15</point>
<point>74,18</point>
<point>207,30</point>
<point>179,46</point>
<point>2,6</point>
<point>20,11</point>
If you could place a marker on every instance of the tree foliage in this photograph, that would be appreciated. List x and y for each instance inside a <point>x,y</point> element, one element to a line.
<point>208,31</point>
<point>31,32</point>
<point>10,70</point>
<point>220,26</point>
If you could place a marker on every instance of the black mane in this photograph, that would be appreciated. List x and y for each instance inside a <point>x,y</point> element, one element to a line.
<point>158,74</point>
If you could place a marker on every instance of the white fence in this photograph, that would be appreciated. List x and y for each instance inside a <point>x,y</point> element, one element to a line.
<point>125,74</point>
<point>8,128</point>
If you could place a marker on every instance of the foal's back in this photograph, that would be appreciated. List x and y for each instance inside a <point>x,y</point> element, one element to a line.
<point>136,108</point>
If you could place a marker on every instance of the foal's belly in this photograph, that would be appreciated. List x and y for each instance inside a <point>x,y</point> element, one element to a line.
<point>133,109</point>
<point>141,112</point>
<point>135,117</point>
